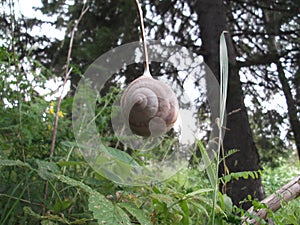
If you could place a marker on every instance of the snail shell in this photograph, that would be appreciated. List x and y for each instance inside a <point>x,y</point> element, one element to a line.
<point>149,107</point>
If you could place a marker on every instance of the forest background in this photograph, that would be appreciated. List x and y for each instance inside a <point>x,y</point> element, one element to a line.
<point>52,184</point>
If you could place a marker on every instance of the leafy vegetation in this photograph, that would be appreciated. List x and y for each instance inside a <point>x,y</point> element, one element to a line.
<point>78,195</point>
<point>38,188</point>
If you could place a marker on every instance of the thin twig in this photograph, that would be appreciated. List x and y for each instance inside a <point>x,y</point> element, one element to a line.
<point>21,200</point>
<point>57,116</point>
<point>67,73</point>
<point>146,59</point>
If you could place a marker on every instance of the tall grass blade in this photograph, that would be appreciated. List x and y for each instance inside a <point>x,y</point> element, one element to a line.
<point>223,98</point>
<point>209,165</point>
<point>223,76</point>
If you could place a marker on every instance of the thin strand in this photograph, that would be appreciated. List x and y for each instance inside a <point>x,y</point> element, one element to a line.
<point>146,60</point>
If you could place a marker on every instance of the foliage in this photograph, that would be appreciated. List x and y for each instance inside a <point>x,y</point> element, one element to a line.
<point>82,197</point>
<point>75,193</point>
<point>270,143</point>
<point>274,178</point>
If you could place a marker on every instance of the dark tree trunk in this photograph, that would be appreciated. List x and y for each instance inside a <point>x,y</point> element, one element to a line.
<point>212,21</point>
<point>291,105</point>
<point>286,88</point>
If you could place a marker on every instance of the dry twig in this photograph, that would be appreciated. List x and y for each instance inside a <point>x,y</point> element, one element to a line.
<point>287,193</point>
<point>67,73</point>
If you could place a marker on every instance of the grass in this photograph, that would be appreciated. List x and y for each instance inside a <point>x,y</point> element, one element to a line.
<point>273,179</point>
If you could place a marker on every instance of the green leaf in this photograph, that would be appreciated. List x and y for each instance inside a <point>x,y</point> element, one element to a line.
<point>245,175</point>
<point>199,191</point>
<point>121,156</point>
<point>136,212</point>
<point>226,178</point>
<point>186,212</point>
<point>177,218</point>
<point>162,198</point>
<point>48,222</point>
<point>28,211</point>
<point>226,203</point>
<point>258,205</point>
<point>8,162</point>
<point>122,216</point>
<point>223,76</point>
<point>60,206</point>
<point>105,212</point>
<point>229,153</point>
<point>4,55</point>
<point>115,165</point>
<point>254,174</point>
<point>71,163</point>
<point>46,170</point>
<point>209,164</point>
<point>74,183</point>
<point>2,155</point>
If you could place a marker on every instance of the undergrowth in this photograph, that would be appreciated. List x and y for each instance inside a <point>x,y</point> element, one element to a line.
<point>36,188</point>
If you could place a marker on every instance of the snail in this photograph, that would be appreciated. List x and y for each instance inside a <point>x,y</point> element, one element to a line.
<point>149,106</point>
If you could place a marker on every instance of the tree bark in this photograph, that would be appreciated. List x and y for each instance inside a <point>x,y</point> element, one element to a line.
<point>212,21</point>
<point>287,193</point>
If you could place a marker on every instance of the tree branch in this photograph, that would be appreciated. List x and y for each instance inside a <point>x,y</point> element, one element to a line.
<point>287,193</point>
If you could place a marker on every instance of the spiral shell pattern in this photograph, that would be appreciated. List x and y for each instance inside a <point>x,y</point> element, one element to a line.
<point>149,107</point>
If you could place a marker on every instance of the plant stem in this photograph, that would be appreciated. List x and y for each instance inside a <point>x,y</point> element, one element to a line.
<point>67,73</point>
<point>21,200</point>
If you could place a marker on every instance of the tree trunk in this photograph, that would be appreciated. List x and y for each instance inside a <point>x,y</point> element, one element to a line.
<point>287,193</point>
<point>291,106</point>
<point>286,88</point>
<point>212,21</point>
